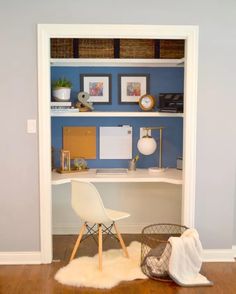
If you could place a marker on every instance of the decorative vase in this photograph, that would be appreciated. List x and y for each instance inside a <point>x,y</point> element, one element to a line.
<point>61,94</point>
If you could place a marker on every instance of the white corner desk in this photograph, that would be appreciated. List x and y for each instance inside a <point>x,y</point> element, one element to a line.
<point>171,176</point>
<point>160,193</point>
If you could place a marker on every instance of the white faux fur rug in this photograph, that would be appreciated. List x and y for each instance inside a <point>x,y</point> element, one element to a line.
<point>83,271</point>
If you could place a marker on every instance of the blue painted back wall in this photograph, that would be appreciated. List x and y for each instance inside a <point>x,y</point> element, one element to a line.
<point>172,138</point>
<point>161,80</point>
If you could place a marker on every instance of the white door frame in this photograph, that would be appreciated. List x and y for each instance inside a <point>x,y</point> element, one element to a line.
<point>47,31</point>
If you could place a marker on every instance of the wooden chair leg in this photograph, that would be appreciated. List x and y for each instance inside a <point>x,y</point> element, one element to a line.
<point>121,241</point>
<point>78,241</point>
<point>100,247</point>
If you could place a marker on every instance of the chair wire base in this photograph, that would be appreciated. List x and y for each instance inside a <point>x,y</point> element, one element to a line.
<point>92,231</point>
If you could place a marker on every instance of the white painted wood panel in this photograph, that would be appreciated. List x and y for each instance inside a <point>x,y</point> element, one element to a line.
<point>147,203</point>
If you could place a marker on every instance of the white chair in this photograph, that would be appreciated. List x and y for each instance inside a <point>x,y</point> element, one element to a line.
<point>87,203</point>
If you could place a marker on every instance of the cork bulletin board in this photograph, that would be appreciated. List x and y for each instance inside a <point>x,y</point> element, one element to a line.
<point>80,141</point>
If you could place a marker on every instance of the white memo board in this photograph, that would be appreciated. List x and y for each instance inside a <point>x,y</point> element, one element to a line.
<point>115,142</point>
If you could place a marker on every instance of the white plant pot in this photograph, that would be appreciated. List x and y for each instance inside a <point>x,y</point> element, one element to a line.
<point>61,94</point>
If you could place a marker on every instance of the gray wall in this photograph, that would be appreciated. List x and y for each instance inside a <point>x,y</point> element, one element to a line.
<point>234,226</point>
<point>19,198</point>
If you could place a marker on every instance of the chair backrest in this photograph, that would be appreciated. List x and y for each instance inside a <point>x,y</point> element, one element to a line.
<point>87,203</point>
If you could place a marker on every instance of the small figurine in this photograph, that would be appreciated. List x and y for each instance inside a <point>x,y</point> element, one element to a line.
<point>83,103</point>
<point>80,164</point>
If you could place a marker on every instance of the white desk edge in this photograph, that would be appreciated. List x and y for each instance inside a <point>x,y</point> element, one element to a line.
<point>171,176</point>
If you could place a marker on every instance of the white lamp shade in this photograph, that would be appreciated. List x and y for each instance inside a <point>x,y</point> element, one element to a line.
<point>147,145</point>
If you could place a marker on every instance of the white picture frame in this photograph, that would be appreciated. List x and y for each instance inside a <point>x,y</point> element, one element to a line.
<point>132,87</point>
<point>98,86</point>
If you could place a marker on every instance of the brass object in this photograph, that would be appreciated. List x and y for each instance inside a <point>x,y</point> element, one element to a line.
<point>65,160</point>
<point>146,99</point>
<point>81,107</point>
<point>160,141</point>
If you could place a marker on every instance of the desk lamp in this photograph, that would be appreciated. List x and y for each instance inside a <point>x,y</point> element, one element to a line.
<point>147,145</point>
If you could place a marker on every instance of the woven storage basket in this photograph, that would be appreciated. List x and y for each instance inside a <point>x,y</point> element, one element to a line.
<point>96,48</point>
<point>137,48</point>
<point>156,249</point>
<point>62,48</point>
<point>171,49</point>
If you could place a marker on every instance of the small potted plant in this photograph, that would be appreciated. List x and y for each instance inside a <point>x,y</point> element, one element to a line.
<point>61,90</point>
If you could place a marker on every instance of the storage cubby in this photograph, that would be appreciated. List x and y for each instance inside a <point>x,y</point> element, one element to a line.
<point>117,57</point>
<point>117,48</point>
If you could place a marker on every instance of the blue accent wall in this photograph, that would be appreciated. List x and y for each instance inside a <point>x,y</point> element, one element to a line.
<point>161,80</point>
<point>172,138</point>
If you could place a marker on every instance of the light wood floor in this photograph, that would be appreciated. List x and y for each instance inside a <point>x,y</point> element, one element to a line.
<point>27,279</point>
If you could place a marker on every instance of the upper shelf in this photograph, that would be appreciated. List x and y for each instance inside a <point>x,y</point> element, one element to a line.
<point>114,114</point>
<point>118,62</point>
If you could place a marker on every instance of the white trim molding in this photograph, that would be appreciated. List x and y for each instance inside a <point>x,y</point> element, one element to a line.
<point>218,255</point>
<point>33,257</point>
<point>47,31</point>
<point>234,250</point>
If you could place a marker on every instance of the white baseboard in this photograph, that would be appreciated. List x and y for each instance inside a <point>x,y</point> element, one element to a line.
<point>234,250</point>
<point>72,229</point>
<point>209,255</point>
<point>218,255</point>
<point>20,258</point>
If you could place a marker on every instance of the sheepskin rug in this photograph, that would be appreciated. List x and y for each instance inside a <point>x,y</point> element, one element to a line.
<point>83,271</point>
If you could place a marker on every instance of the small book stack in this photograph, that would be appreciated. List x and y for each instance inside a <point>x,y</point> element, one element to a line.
<point>63,107</point>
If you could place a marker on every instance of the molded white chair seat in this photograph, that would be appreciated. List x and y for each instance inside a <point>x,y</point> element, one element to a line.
<point>87,203</point>
<point>116,215</point>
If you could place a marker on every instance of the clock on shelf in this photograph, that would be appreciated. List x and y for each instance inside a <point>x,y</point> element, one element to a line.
<point>146,102</point>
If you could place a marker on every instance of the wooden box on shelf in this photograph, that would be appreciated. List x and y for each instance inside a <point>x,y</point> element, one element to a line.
<point>61,48</point>
<point>96,48</point>
<point>171,49</point>
<point>137,48</point>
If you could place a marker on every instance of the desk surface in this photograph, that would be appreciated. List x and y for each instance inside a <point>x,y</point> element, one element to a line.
<point>172,176</point>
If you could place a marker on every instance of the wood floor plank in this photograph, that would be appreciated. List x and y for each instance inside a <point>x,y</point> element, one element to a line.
<point>39,279</point>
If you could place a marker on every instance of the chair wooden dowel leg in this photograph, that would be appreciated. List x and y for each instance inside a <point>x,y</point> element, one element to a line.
<point>78,241</point>
<point>100,247</point>
<point>121,241</point>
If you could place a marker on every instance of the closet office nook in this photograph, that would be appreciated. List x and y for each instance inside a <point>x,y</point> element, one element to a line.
<point>120,90</point>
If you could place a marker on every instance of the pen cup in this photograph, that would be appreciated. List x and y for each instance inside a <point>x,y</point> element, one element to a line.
<point>132,165</point>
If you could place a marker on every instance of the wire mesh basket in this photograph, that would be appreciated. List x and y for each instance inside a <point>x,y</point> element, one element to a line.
<point>156,249</point>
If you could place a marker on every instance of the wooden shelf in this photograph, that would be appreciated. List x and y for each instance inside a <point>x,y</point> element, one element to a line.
<point>117,62</point>
<point>114,114</point>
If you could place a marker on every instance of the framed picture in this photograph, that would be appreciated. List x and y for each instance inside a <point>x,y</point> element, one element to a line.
<point>132,87</point>
<point>98,86</point>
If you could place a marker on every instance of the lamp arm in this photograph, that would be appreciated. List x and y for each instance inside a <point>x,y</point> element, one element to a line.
<point>160,141</point>
<point>153,128</point>
<point>160,149</point>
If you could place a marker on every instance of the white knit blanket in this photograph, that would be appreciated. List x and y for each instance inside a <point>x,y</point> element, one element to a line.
<point>185,260</point>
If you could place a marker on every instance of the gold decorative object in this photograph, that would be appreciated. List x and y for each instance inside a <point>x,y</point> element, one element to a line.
<point>65,160</point>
